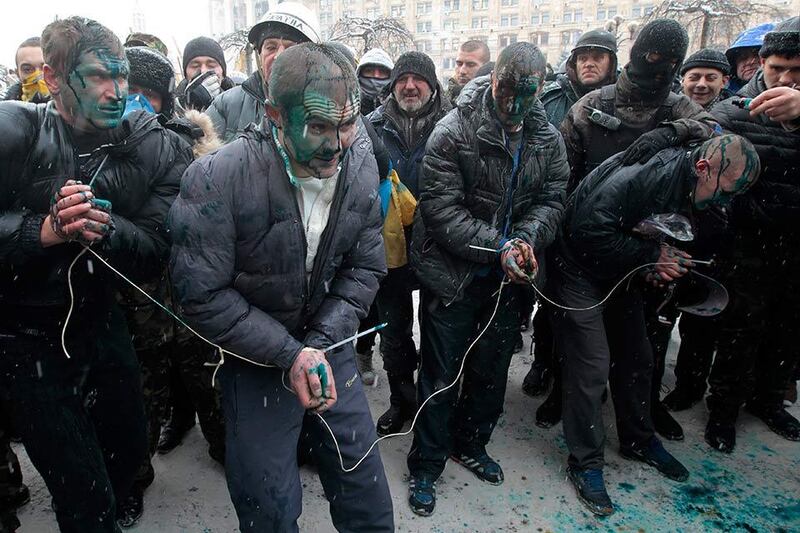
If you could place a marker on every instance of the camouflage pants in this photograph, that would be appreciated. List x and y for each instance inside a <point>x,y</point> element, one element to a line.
<point>189,358</point>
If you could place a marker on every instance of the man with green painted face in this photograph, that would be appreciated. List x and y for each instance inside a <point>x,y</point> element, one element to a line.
<point>277,255</point>
<point>494,176</point>
<point>600,244</point>
<point>74,172</point>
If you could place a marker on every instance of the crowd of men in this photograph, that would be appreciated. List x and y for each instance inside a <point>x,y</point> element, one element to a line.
<point>272,219</point>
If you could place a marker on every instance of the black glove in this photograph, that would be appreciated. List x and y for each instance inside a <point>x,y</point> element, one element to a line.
<point>649,144</point>
<point>202,90</point>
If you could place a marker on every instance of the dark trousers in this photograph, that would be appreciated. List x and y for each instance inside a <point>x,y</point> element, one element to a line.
<point>698,342</point>
<point>81,419</point>
<point>365,344</point>
<point>10,473</point>
<point>608,342</point>
<point>757,351</point>
<point>263,421</point>
<point>452,421</point>
<point>396,308</point>
<point>188,359</point>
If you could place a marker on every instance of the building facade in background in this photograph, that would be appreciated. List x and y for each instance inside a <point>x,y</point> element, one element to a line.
<point>440,26</point>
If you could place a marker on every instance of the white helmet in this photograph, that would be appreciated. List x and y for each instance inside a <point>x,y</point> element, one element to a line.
<point>288,20</point>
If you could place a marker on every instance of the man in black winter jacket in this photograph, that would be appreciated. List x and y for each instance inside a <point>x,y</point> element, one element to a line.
<point>73,173</point>
<point>757,350</point>
<point>640,115</point>
<point>404,123</point>
<point>277,255</point>
<point>601,244</point>
<point>493,176</point>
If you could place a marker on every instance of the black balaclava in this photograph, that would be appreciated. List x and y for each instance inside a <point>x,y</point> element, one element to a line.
<point>668,39</point>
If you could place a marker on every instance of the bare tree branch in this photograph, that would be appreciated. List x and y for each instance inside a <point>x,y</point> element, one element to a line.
<point>384,32</point>
<point>714,23</point>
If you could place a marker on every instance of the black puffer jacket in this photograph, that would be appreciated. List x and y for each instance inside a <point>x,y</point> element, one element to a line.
<point>141,178</point>
<point>239,251</point>
<point>774,201</point>
<point>598,224</point>
<point>464,191</point>
<point>235,109</point>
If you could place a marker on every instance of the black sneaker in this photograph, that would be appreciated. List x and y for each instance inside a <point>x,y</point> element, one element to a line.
<point>591,489</point>
<point>654,454</point>
<point>549,413</point>
<point>720,434</point>
<point>479,463</point>
<point>778,420</point>
<point>665,425</point>
<point>537,380</point>
<point>422,495</point>
<point>129,511</point>
<point>681,398</point>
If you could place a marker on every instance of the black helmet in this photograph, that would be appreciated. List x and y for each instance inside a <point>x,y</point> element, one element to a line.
<point>601,39</point>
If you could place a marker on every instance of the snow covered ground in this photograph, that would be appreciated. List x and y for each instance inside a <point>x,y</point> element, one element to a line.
<point>757,488</point>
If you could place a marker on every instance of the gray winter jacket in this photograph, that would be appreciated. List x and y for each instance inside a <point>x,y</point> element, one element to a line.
<point>235,109</point>
<point>468,191</point>
<point>239,251</point>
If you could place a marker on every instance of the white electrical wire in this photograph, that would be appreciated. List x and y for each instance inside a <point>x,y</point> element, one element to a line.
<point>223,351</point>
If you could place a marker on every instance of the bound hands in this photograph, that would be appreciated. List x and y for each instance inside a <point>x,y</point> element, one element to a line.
<point>518,261</point>
<point>673,264</point>
<point>311,378</point>
<point>780,104</point>
<point>75,214</point>
<point>649,144</point>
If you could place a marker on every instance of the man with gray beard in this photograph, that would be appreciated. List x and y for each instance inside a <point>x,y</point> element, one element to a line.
<point>404,123</point>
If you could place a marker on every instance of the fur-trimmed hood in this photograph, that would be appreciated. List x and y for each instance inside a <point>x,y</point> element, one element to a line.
<point>197,129</point>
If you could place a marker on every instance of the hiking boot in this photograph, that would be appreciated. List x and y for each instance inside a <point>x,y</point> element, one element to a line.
<point>172,435</point>
<point>720,434</point>
<point>129,511</point>
<point>654,454</point>
<point>422,495</point>
<point>591,489</point>
<point>479,463</point>
<point>402,405</point>
<point>549,413</point>
<point>365,369</point>
<point>778,420</point>
<point>681,398</point>
<point>665,424</point>
<point>537,380</point>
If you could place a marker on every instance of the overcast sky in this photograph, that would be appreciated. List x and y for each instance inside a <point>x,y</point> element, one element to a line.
<point>171,20</point>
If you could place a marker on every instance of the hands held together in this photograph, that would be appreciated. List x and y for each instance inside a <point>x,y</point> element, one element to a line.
<point>518,261</point>
<point>311,378</point>
<point>75,214</point>
<point>672,264</point>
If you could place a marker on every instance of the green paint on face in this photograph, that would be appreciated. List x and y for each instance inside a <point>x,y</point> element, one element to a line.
<point>316,132</point>
<point>99,88</point>
<point>724,147</point>
<point>514,98</point>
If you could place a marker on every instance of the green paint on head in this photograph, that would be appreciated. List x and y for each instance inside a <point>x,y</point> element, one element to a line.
<point>98,85</point>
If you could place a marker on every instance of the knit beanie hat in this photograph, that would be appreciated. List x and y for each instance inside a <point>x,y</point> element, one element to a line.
<point>784,40</point>
<point>150,69</point>
<point>376,57</point>
<point>415,63</point>
<point>204,46</point>
<point>707,58</point>
<point>663,36</point>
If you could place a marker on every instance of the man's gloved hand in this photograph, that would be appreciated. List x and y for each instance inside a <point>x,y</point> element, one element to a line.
<point>649,144</point>
<point>518,261</point>
<point>202,90</point>
<point>311,378</point>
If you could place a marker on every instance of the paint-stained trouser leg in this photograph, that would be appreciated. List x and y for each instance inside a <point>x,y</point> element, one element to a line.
<point>263,422</point>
